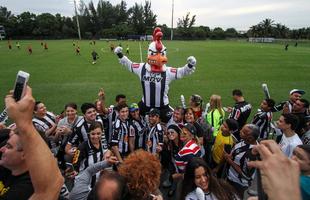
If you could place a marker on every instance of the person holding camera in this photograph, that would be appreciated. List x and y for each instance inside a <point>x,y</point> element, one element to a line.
<point>26,158</point>
<point>239,174</point>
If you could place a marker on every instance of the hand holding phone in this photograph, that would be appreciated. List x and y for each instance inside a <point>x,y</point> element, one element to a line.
<point>20,85</point>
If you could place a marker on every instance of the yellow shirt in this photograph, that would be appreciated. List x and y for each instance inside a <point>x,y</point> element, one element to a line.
<point>218,147</point>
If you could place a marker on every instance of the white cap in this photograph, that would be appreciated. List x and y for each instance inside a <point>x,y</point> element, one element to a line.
<point>302,92</point>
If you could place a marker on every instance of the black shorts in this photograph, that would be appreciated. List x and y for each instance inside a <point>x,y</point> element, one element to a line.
<point>165,111</point>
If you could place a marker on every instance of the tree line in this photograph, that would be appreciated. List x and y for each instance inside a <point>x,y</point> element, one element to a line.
<point>105,20</point>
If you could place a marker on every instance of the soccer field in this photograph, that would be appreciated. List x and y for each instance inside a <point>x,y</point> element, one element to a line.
<point>59,76</point>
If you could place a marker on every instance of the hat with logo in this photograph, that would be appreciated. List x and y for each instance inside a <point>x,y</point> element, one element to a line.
<point>133,107</point>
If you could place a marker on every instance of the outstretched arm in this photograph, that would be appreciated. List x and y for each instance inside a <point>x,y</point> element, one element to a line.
<point>81,187</point>
<point>123,59</point>
<point>188,68</point>
<point>44,172</point>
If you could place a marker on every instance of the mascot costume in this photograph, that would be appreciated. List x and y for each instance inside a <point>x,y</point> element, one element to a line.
<point>155,76</point>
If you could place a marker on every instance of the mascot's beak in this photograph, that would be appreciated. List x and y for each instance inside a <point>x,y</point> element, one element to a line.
<point>157,61</point>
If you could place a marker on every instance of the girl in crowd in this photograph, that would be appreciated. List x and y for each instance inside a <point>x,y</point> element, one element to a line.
<point>64,126</point>
<point>189,117</point>
<point>199,184</point>
<point>216,113</point>
<point>195,103</point>
<point>64,130</point>
<point>91,151</point>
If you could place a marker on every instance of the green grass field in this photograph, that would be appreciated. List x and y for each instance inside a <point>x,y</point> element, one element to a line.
<point>59,76</point>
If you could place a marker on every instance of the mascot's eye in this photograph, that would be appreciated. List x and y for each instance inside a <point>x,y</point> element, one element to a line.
<point>163,53</point>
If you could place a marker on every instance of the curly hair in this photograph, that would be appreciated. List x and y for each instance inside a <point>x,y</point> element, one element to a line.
<point>142,171</point>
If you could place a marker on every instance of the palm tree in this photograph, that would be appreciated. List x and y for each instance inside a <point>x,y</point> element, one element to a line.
<point>267,25</point>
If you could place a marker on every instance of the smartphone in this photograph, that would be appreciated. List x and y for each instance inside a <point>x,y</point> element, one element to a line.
<point>20,85</point>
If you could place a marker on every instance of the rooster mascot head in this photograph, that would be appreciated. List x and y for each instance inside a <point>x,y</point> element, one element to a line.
<point>157,52</point>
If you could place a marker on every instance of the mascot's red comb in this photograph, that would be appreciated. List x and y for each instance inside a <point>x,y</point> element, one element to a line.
<point>157,35</point>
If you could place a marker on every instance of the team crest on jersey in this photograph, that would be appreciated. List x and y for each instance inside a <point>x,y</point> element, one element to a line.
<point>153,77</point>
<point>135,65</point>
<point>173,70</point>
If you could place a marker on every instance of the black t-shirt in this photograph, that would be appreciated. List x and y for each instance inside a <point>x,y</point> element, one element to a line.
<point>241,112</point>
<point>15,187</point>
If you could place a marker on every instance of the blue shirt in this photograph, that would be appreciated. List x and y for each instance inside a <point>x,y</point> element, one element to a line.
<point>305,187</point>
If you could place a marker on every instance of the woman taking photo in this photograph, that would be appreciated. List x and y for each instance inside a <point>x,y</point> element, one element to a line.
<point>199,184</point>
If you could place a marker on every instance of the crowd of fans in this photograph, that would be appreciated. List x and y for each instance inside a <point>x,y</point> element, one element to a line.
<point>117,153</point>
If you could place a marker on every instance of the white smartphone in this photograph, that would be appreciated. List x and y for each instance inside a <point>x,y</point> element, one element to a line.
<point>20,85</point>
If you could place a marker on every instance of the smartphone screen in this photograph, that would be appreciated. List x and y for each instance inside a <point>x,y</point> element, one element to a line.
<point>19,87</point>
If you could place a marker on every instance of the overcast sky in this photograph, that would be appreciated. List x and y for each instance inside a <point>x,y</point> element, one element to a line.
<point>240,14</point>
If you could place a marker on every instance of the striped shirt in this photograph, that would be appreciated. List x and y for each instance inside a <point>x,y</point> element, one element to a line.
<point>139,128</point>
<point>80,133</point>
<point>241,153</point>
<point>263,119</point>
<point>45,123</point>
<point>112,117</point>
<point>120,136</point>
<point>155,86</point>
<point>155,136</point>
<point>89,155</point>
<point>190,150</point>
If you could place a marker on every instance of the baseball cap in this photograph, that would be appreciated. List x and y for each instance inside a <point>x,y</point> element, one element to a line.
<point>133,107</point>
<point>302,92</point>
<point>174,127</point>
<point>190,127</point>
<point>154,111</point>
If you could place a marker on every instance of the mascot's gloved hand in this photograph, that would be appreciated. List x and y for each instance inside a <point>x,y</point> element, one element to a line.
<point>119,52</point>
<point>191,61</point>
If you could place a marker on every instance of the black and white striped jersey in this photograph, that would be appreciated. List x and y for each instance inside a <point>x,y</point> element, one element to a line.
<point>155,86</point>
<point>262,120</point>
<point>140,132</point>
<point>89,155</point>
<point>155,137</point>
<point>80,133</point>
<point>120,135</point>
<point>45,123</point>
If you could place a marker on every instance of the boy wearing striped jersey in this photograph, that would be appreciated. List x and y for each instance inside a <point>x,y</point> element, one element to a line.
<point>263,117</point>
<point>239,174</point>
<point>139,126</point>
<point>155,135</point>
<point>121,134</point>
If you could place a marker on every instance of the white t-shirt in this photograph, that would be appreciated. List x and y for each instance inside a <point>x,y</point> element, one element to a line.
<point>206,196</point>
<point>288,144</point>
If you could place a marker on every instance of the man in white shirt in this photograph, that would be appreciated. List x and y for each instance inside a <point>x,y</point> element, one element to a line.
<point>287,123</point>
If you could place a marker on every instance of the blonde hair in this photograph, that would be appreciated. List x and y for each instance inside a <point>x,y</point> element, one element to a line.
<point>216,103</point>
